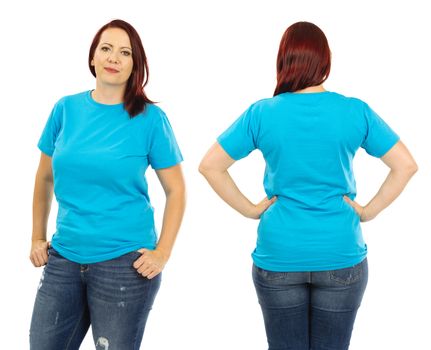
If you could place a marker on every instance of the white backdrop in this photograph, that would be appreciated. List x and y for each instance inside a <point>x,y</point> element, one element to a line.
<point>209,60</point>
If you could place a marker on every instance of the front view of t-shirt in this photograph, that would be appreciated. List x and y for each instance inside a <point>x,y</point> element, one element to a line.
<point>99,158</point>
<point>308,141</point>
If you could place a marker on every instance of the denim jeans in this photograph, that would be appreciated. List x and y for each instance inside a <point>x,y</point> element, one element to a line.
<point>111,295</point>
<point>310,310</point>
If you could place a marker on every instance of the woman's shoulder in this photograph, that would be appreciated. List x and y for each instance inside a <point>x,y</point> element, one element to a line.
<point>153,115</point>
<point>73,98</point>
<point>351,100</point>
<point>282,99</point>
<point>330,100</point>
<point>152,109</point>
<point>261,105</point>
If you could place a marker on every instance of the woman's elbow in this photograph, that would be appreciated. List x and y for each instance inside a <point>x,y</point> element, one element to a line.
<point>413,168</point>
<point>210,169</point>
<point>204,167</point>
<point>409,168</point>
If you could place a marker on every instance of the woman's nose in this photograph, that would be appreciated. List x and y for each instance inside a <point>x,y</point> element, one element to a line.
<point>112,58</point>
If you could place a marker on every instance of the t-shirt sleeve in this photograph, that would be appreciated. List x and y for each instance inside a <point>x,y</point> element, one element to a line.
<point>240,139</point>
<point>379,138</point>
<point>51,130</point>
<point>164,149</point>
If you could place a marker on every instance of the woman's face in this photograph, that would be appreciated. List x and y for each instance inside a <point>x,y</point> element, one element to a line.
<point>112,59</point>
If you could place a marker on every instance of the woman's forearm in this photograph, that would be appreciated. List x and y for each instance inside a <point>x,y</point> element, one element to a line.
<point>223,184</point>
<point>42,199</point>
<point>172,217</point>
<point>391,188</point>
<point>214,167</point>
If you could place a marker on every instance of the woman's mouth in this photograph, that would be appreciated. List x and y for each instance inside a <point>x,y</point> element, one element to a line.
<point>111,70</point>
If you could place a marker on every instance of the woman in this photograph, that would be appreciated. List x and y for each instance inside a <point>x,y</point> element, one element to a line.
<point>310,267</point>
<point>104,262</point>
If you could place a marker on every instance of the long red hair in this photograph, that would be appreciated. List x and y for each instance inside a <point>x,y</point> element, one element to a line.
<point>304,58</point>
<point>135,98</point>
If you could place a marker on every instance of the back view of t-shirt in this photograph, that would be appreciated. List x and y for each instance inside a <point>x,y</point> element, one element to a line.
<point>308,141</point>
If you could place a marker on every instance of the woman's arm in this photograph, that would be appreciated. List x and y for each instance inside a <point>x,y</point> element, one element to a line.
<point>42,199</point>
<point>403,167</point>
<point>214,167</point>
<point>152,262</point>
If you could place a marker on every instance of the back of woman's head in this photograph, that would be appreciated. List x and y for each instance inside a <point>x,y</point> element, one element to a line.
<point>135,98</point>
<point>304,58</point>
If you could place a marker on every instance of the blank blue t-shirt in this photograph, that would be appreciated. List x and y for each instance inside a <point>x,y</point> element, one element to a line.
<point>99,158</point>
<point>308,141</point>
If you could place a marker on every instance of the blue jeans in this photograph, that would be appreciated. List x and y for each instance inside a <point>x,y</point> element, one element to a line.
<point>111,295</point>
<point>310,310</point>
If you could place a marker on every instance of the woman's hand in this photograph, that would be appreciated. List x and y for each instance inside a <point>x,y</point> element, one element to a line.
<point>362,212</point>
<point>259,208</point>
<point>39,252</point>
<point>151,263</point>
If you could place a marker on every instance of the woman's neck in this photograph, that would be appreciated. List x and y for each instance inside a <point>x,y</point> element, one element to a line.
<point>109,95</point>
<point>317,88</point>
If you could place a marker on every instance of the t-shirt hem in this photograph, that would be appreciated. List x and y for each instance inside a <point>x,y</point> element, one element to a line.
<point>388,147</point>
<point>167,164</point>
<point>221,142</point>
<point>307,268</point>
<point>45,150</point>
<point>99,258</point>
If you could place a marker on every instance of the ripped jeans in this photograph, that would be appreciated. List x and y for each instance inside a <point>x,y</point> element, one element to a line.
<point>111,294</point>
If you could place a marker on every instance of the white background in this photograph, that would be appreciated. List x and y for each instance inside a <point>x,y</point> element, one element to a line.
<point>209,60</point>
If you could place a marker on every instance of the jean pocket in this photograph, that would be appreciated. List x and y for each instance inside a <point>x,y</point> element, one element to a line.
<point>52,251</point>
<point>269,275</point>
<point>348,275</point>
<point>136,254</point>
<point>133,255</point>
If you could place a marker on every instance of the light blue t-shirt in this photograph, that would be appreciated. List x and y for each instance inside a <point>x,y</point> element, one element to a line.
<point>99,158</point>
<point>308,141</point>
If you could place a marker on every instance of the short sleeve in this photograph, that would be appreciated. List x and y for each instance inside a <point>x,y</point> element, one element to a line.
<point>240,139</point>
<point>379,138</point>
<point>51,130</point>
<point>164,149</point>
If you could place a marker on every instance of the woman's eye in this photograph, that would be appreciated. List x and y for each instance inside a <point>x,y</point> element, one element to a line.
<point>126,53</point>
<point>104,48</point>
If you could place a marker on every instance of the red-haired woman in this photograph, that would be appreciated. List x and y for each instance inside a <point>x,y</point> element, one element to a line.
<point>104,261</point>
<point>310,267</point>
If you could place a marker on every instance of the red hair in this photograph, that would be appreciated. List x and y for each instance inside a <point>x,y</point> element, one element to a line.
<point>304,58</point>
<point>135,98</point>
